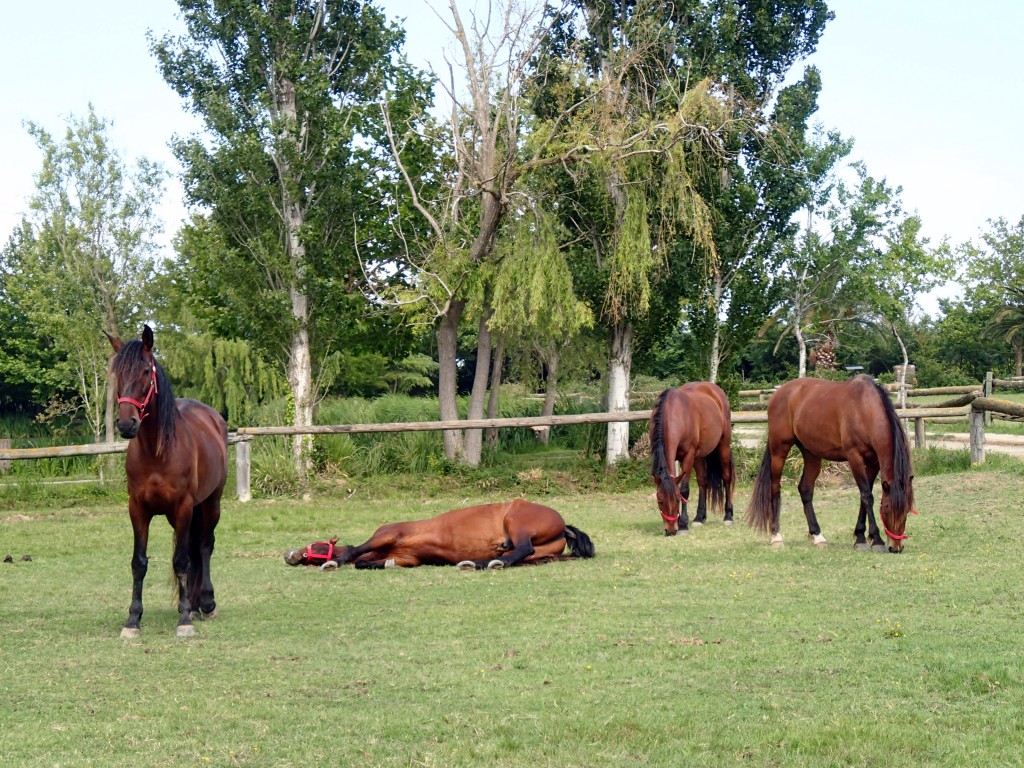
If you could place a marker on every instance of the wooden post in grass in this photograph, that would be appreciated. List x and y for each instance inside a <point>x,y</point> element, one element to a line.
<point>977,422</point>
<point>242,470</point>
<point>987,392</point>
<point>920,439</point>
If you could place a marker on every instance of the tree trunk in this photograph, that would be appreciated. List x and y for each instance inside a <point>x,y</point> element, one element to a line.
<point>620,360</point>
<point>906,363</point>
<point>802,346</point>
<point>447,376</point>
<point>493,396</point>
<point>550,388</point>
<point>474,437</point>
<point>1018,354</point>
<point>300,360</point>
<point>716,336</point>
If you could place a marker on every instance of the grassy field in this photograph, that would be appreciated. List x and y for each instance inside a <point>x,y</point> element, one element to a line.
<point>705,650</point>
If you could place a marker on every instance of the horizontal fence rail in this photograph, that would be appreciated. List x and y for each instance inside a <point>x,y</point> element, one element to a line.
<point>974,411</point>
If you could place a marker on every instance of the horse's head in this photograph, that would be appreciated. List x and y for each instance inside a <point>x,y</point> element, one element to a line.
<point>669,504</point>
<point>893,509</point>
<point>135,370</point>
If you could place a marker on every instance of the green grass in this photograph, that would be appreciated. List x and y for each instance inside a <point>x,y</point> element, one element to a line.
<point>706,650</point>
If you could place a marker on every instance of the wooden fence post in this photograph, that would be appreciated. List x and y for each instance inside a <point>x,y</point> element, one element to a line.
<point>5,464</point>
<point>986,391</point>
<point>977,422</point>
<point>242,470</point>
<point>920,439</point>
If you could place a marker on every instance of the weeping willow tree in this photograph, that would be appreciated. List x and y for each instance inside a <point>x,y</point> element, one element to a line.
<point>223,373</point>
<point>534,298</point>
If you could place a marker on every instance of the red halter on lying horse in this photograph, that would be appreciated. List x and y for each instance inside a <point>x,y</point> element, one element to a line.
<point>176,466</point>
<point>488,536</point>
<point>692,425</point>
<point>852,421</point>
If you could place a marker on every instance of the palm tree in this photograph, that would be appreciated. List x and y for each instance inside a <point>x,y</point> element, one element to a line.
<point>1008,324</point>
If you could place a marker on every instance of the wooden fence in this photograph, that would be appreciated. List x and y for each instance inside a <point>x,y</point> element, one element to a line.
<point>974,411</point>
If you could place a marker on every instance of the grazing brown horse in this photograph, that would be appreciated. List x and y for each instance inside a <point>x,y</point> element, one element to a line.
<point>692,425</point>
<point>852,421</point>
<point>176,467</point>
<point>487,536</point>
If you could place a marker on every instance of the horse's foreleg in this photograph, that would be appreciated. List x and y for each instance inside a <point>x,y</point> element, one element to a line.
<point>140,564</point>
<point>812,468</point>
<point>865,474</point>
<point>180,563</point>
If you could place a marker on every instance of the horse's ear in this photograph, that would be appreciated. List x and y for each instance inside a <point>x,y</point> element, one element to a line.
<point>147,338</point>
<point>115,342</point>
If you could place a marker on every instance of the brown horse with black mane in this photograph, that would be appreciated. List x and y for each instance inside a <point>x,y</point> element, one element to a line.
<point>487,536</point>
<point>852,421</point>
<point>692,425</point>
<point>176,466</point>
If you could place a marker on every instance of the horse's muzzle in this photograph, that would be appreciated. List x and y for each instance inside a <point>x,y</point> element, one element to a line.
<point>128,429</point>
<point>896,550</point>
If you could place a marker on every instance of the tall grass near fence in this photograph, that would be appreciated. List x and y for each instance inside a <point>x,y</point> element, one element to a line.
<point>711,649</point>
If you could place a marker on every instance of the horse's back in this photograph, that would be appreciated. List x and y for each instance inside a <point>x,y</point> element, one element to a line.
<point>828,418</point>
<point>209,433</point>
<point>706,406</point>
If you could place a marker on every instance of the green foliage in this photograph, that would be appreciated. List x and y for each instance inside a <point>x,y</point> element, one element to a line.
<point>79,265</point>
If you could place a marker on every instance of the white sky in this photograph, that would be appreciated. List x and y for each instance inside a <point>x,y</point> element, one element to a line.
<point>929,90</point>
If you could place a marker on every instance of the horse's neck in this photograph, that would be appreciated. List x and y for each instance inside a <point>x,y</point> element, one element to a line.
<point>149,435</point>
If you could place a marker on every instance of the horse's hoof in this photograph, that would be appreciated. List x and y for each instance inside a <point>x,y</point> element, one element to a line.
<point>466,565</point>
<point>879,548</point>
<point>727,522</point>
<point>861,546</point>
<point>131,633</point>
<point>330,565</point>
<point>201,615</point>
<point>776,540</point>
<point>819,540</point>
<point>185,630</point>
<point>293,556</point>
<point>389,563</point>
<point>697,523</point>
<point>495,565</point>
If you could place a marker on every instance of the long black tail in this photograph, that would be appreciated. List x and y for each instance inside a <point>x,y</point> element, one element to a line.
<point>579,543</point>
<point>659,467</point>
<point>716,490</point>
<point>759,513</point>
<point>901,492</point>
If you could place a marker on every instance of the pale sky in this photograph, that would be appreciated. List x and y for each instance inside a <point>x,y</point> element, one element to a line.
<point>928,89</point>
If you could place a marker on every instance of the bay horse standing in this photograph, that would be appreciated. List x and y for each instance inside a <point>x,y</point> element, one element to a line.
<point>692,425</point>
<point>852,421</point>
<point>176,466</point>
<point>489,536</point>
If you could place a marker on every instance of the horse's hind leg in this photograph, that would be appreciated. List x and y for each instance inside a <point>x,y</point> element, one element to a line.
<point>700,469</point>
<point>812,468</point>
<point>201,544</point>
<point>728,479</point>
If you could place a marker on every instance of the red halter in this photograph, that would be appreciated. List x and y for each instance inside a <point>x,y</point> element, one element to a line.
<point>897,537</point>
<point>670,518</point>
<point>150,391</point>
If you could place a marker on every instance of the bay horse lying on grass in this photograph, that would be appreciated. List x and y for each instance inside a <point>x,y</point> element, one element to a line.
<point>487,536</point>
<point>852,421</point>
<point>692,425</point>
<point>176,466</point>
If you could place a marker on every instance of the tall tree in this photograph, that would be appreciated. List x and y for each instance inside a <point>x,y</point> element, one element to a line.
<point>83,262</point>
<point>995,271</point>
<point>288,165</point>
<point>686,77</point>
